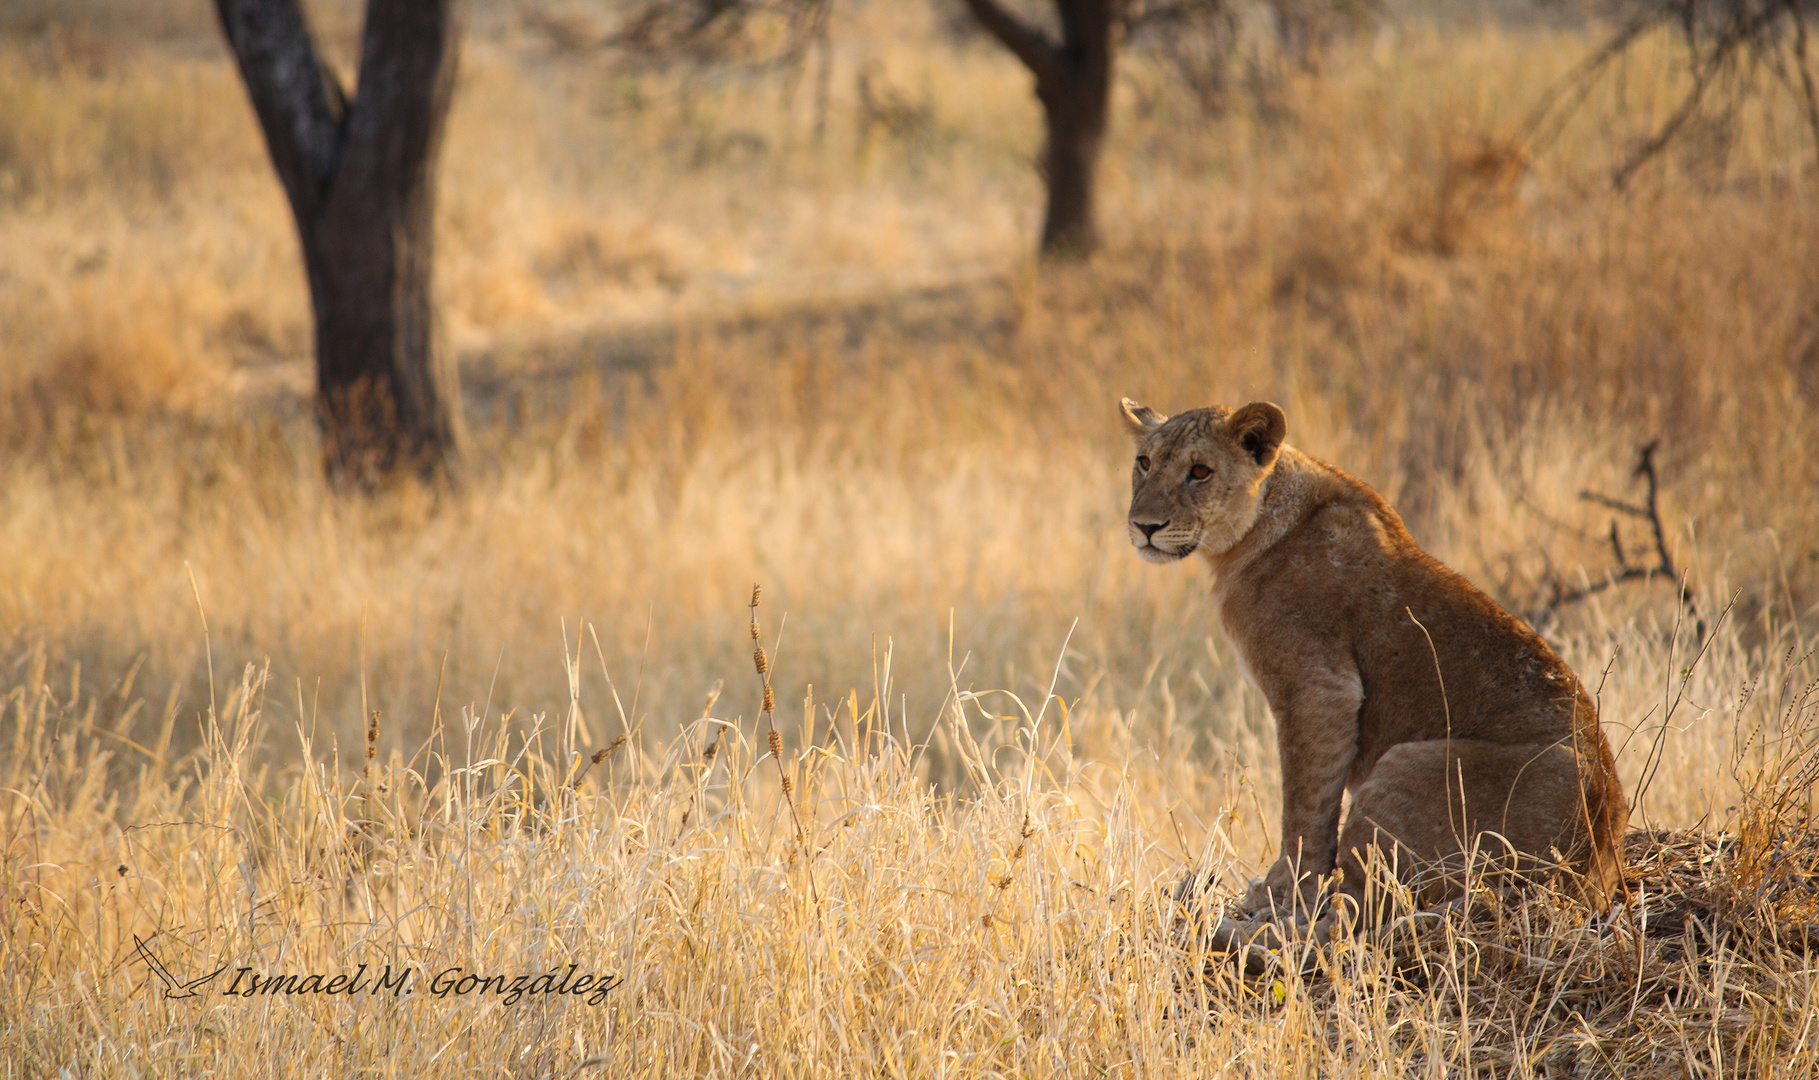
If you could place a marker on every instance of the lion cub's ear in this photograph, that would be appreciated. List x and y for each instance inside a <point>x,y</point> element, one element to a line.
<point>1259,428</point>
<point>1140,418</point>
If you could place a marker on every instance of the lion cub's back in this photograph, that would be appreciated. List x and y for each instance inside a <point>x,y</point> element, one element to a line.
<point>1415,625</point>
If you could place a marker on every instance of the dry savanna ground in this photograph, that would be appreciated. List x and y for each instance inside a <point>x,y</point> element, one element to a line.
<point>712,333</point>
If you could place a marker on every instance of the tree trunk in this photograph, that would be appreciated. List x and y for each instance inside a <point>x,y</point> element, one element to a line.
<point>361,180</point>
<point>1074,84</point>
<point>1076,128</point>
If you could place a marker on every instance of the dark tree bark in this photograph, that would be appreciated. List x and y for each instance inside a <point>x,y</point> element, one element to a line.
<point>360,174</point>
<point>1074,84</point>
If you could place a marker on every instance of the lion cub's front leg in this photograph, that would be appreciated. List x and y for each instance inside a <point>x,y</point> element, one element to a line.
<point>1316,709</point>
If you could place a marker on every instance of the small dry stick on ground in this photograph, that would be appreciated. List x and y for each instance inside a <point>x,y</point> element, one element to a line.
<point>773,738</point>
<point>1649,511</point>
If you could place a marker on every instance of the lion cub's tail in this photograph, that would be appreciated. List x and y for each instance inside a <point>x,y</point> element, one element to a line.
<point>1607,816</point>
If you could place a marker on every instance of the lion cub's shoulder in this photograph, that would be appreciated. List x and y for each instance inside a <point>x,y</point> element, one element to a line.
<point>1329,524</point>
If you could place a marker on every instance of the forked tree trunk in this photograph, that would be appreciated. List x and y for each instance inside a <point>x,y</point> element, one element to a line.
<point>360,175</point>
<point>1074,84</point>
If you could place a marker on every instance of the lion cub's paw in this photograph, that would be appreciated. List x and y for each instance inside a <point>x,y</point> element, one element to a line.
<point>1282,894</point>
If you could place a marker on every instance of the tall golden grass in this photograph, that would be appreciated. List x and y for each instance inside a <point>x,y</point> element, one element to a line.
<point>702,348</point>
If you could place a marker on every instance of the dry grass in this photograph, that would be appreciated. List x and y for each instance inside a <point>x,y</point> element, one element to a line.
<point>1022,928</point>
<point>702,348</point>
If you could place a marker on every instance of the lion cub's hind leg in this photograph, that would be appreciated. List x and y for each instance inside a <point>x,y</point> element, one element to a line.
<point>1508,808</point>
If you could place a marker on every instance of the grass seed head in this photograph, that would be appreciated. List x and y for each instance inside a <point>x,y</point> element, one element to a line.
<point>770,699</point>
<point>776,742</point>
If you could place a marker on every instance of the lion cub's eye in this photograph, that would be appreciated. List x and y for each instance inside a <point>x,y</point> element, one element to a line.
<point>1143,463</point>
<point>1199,472</point>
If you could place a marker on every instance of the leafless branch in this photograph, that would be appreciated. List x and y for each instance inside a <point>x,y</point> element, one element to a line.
<point>1648,510</point>
<point>711,30</point>
<point>1707,65</point>
<point>1026,42</point>
<point>1579,82</point>
<point>1139,14</point>
<point>1724,41</point>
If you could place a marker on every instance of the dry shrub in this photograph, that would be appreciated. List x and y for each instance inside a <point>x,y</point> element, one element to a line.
<point>122,354</point>
<point>1475,190</point>
<point>124,360</point>
<point>585,257</point>
<point>492,295</point>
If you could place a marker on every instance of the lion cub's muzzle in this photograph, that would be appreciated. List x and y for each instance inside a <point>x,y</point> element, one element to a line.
<point>1157,542</point>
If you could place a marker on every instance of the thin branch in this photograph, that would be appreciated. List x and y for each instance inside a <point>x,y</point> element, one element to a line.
<point>1617,546</point>
<point>1613,504</point>
<point>1136,15</point>
<point>1715,37</point>
<point>1743,34</point>
<point>1578,83</point>
<point>1649,511</point>
<point>1026,42</point>
<point>707,30</point>
<point>1658,142</point>
<point>1563,597</point>
<point>1646,468</point>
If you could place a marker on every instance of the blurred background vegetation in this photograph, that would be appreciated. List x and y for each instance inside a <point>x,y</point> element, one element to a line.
<point>736,320</point>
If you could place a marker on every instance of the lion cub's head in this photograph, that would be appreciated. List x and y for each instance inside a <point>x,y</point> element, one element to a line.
<point>1198,476</point>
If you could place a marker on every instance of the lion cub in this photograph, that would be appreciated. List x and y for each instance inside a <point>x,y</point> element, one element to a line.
<point>1389,676</point>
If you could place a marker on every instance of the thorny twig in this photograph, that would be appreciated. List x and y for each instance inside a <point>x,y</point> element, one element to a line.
<point>1649,511</point>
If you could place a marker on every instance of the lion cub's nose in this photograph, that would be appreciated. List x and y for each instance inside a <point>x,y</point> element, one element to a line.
<point>1150,528</point>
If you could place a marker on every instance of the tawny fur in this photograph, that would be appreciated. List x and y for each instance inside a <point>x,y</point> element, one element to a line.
<point>1351,632</point>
